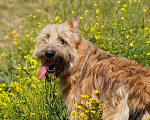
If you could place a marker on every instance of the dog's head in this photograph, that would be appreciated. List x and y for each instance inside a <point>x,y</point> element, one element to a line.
<point>56,47</point>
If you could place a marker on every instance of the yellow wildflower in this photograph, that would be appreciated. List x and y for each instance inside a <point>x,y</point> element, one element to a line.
<point>81,18</point>
<point>135,55</point>
<point>6,37</point>
<point>3,54</point>
<point>148,42</point>
<point>92,111</point>
<point>144,10</point>
<point>34,17</point>
<point>44,21</point>
<point>56,19</point>
<point>14,31</point>
<point>39,11</point>
<point>72,12</point>
<point>52,21</point>
<point>95,4</point>
<point>148,53</point>
<point>81,115</point>
<point>118,1</point>
<point>86,11</point>
<point>97,17</point>
<point>73,113</point>
<point>122,9</point>
<point>96,91</point>
<point>122,18</point>
<point>102,26</point>
<point>131,45</point>
<point>127,36</point>
<point>97,11</point>
<point>131,31</point>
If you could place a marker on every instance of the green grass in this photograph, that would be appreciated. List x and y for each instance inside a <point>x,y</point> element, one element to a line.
<point>121,28</point>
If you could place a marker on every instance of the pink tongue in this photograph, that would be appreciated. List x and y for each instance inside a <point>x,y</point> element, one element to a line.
<point>43,69</point>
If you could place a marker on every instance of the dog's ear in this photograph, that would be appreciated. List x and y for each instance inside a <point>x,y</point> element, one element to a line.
<point>74,22</point>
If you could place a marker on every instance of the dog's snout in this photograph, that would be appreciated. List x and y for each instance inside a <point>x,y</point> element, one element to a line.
<point>49,53</point>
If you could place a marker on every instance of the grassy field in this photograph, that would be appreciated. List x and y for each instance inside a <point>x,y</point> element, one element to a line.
<point>120,27</point>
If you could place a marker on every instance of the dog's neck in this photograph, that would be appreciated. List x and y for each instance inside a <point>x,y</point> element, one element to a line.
<point>71,77</point>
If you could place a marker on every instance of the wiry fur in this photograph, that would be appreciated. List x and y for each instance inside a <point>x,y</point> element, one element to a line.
<point>124,85</point>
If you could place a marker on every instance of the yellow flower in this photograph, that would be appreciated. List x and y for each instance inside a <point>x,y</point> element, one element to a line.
<point>34,17</point>
<point>73,113</point>
<point>131,31</point>
<point>135,55</point>
<point>39,11</point>
<point>131,45</point>
<point>52,21</point>
<point>86,11</point>
<point>57,17</point>
<point>97,17</point>
<point>108,38</point>
<point>1,89</point>
<point>27,36</point>
<point>97,11</point>
<point>44,21</point>
<point>148,42</point>
<point>79,106</point>
<point>14,31</point>
<point>148,53</point>
<point>92,111</point>
<point>125,5</point>
<point>102,26</point>
<point>96,91</point>
<point>122,18</point>
<point>81,18</point>
<point>130,1</point>
<point>76,104</point>
<point>122,9</point>
<point>95,4</point>
<point>138,1</point>
<point>15,43</point>
<point>127,36</point>
<point>33,86</point>
<point>31,114</point>
<point>118,1</point>
<point>3,54</point>
<point>72,12</point>
<point>84,96</point>
<point>144,10</point>
<point>6,37</point>
<point>87,102</point>
<point>81,115</point>
<point>23,19</point>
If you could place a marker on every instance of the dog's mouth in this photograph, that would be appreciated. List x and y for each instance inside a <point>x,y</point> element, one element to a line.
<point>49,66</point>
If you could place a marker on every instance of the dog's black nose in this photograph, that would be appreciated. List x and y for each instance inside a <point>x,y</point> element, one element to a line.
<point>49,53</point>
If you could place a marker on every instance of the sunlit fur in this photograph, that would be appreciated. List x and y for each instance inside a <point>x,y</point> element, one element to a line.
<point>124,85</point>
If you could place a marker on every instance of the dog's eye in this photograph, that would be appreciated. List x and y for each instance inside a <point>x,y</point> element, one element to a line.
<point>44,40</point>
<point>62,41</point>
<point>47,35</point>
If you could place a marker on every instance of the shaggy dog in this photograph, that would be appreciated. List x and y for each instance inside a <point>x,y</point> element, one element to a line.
<point>123,85</point>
